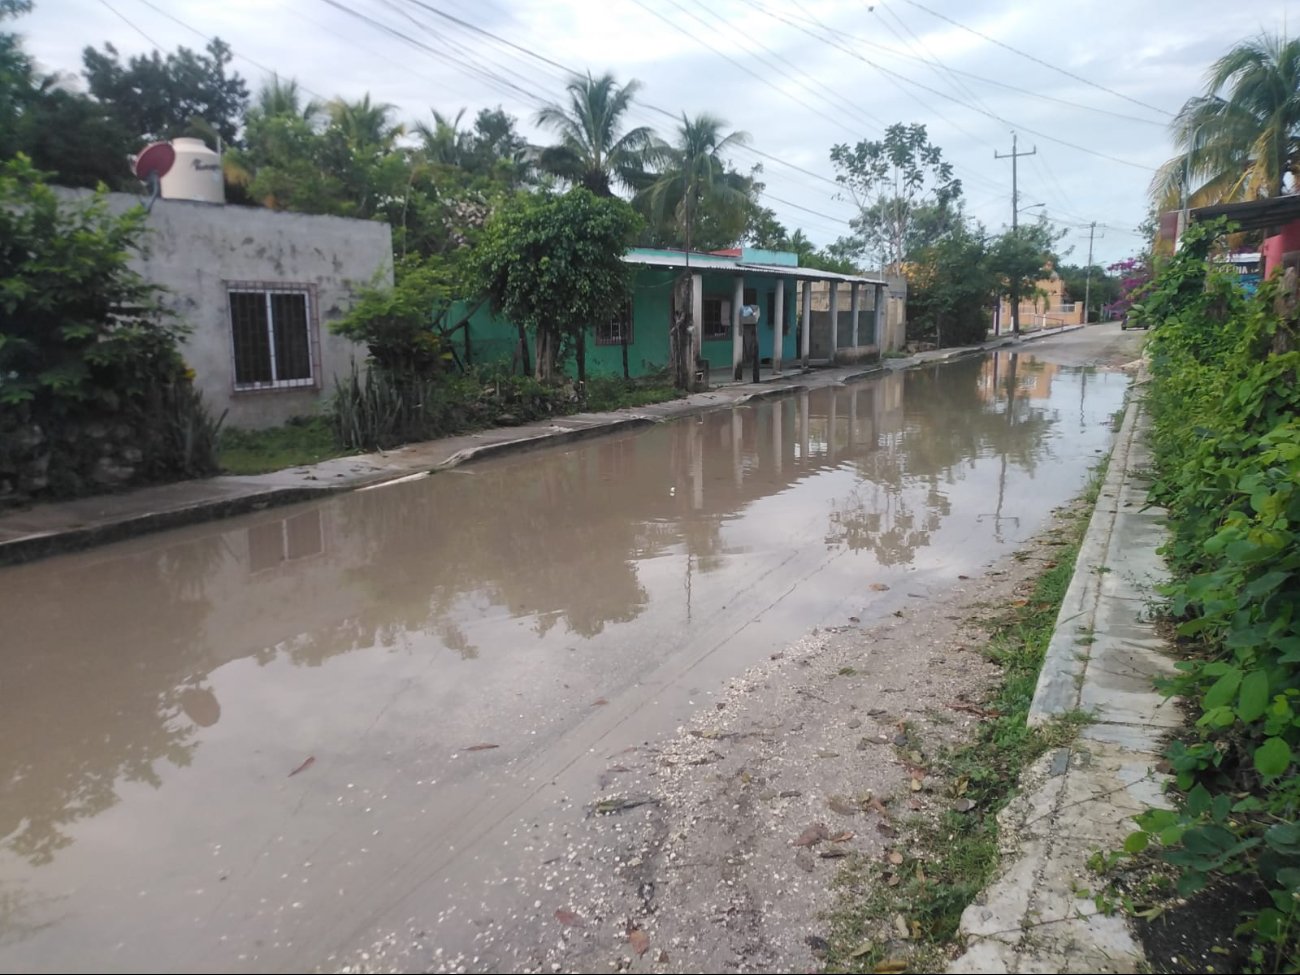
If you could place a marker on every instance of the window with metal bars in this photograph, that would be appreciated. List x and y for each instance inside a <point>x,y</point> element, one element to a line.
<point>272,337</point>
<point>717,317</point>
<point>618,327</point>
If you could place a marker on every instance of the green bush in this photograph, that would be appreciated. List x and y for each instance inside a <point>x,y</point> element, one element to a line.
<point>1226,438</point>
<point>380,409</point>
<point>93,391</point>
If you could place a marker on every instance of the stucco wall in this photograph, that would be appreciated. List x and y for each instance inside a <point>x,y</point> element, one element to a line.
<point>195,249</point>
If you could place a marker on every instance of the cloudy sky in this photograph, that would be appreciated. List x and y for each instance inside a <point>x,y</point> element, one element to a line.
<point>1090,84</point>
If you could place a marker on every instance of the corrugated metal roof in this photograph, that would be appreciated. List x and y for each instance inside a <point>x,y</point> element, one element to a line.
<point>811,273</point>
<point>718,262</point>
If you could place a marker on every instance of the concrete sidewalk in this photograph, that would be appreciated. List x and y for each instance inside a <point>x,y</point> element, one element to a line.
<point>53,527</point>
<point>1039,916</point>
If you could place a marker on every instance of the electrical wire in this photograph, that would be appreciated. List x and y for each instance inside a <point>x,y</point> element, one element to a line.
<point>834,42</point>
<point>123,17</point>
<point>1038,60</point>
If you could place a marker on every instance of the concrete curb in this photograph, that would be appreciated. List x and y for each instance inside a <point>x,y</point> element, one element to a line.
<point>1061,679</point>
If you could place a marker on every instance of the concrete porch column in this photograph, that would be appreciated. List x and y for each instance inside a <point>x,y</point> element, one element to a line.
<point>855,306</point>
<point>881,319</point>
<point>835,320</point>
<point>737,343</point>
<point>697,319</point>
<point>807,322</point>
<point>778,326</point>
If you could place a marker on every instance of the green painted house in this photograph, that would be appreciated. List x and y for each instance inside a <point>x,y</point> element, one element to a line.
<point>743,298</point>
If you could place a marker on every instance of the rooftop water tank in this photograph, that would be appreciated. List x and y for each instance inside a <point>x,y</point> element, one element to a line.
<point>196,174</point>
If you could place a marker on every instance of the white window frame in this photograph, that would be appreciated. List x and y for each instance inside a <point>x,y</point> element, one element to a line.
<point>724,322</point>
<point>308,294</point>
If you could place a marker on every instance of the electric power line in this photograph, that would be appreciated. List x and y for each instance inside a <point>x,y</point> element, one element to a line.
<point>1038,60</point>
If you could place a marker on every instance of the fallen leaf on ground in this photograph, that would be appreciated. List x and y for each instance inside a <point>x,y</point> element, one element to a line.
<point>860,950</point>
<point>893,879</point>
<point>480,748</point>
<point>813,835</point>
<point>973,709</point>
<point>1020,602</point>
<point>920,874</point>
<point>875,805</point>
<point>663,957</point>
<point>917,785</point>
<point>964,805</point>
<point>598,702</point>
<point>826,754</point>
<point>567,918</point>
<point>311,760</point>
<point>842,837</point>
<point>900,926</point>
<point>879,587</point>
<point>844,807</point>
<point>884,829</point>
<point>915,804</point>
<point>833,854</point>
<point>896,858</point>
<point>638,939</point>
<point>890,968</point>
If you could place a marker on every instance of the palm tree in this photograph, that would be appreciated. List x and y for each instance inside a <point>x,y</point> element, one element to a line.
<point>695,181</point>
<point>444,142</point>
<point>1241,139</point>
<point>365,123</point>
<point>283,99</point>
<point>591,152</point>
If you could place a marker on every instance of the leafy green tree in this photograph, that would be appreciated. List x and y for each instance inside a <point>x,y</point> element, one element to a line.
<point>950,285</point>
<point>553,264</point>
<point>161,97</point>
<point>1240,140</point>
<point>895,182</point>
<point>62,131</point>
<point>593,150</point>
<point>1020,258</point>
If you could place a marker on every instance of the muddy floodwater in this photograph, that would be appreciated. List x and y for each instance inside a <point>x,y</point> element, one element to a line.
<point>257,745</point>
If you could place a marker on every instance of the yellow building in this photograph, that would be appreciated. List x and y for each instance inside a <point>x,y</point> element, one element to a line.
<point>1045,307</point>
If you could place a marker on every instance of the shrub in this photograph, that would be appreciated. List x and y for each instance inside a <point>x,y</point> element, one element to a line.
<point>94,392</point>
<point>1226,437</point>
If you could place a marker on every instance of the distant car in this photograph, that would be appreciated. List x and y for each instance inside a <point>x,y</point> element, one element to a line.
<point>1125,324</point>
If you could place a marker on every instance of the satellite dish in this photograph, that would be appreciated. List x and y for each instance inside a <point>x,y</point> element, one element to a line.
<point>153,163</point>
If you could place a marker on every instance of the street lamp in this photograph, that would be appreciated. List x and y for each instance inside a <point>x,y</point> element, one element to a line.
<point>1032,206</point>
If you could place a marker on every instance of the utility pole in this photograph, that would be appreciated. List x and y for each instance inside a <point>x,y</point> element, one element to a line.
<point>1013,155</point>
<point>1087,287</point>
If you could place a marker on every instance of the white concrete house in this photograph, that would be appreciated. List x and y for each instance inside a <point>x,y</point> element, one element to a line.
<point>258,289</point>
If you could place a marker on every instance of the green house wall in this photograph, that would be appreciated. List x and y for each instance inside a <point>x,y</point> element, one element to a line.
<point>493,339</point>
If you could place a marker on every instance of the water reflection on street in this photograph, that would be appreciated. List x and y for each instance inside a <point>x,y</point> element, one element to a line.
<point>157,694</point>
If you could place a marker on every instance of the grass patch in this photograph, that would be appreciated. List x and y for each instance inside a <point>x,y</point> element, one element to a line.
<point>905,916</point>
<point>605,393</point>
<point>304,440</point>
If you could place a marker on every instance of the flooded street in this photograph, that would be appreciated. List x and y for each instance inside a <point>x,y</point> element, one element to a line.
<point>267,743</point>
